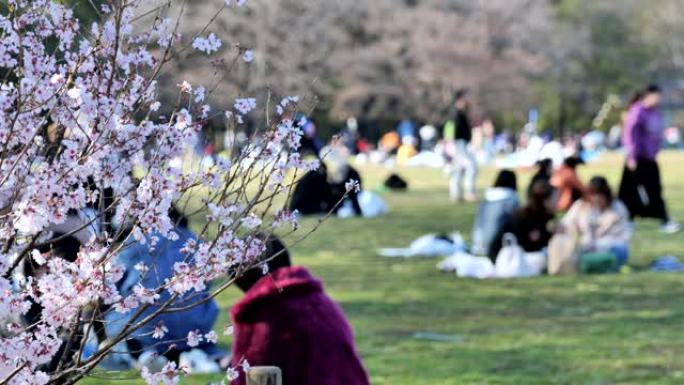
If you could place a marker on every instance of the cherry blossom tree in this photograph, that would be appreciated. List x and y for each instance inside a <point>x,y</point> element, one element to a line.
<point>88,150</point>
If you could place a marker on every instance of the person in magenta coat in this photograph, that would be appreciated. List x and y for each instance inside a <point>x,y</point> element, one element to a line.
<point>287,320</point>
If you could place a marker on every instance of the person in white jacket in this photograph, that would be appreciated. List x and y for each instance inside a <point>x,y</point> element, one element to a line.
<point>600,221</point>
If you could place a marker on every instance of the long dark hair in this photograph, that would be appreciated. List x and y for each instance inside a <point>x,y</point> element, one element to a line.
<point>275,255</point>
<point>540,192</point>
<point>506,179</point>
<point>599,185</point>
<point>544,166</point>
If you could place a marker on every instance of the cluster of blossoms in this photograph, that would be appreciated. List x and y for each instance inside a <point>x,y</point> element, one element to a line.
<point>84,147</point>
<point>209,45</point>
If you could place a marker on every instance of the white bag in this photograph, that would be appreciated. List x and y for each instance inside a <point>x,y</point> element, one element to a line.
<point>371,204</point>
<point>536,261</point>
<point>429,245</point>
<point>346,210</point>
<point>468,266</point>
<point>511,262</point>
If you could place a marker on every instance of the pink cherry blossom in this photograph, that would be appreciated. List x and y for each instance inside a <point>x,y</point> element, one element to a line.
<point>194,338</point>
<point>91,152</point>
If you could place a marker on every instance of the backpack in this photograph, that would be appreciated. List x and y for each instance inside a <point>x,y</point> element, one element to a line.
<point>395,182</point>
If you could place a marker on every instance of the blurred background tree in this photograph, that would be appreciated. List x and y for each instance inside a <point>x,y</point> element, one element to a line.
<point>384,60</point>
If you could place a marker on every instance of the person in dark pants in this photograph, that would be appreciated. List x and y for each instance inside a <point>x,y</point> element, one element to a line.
<point>641,188</point>
<point>463,165</point>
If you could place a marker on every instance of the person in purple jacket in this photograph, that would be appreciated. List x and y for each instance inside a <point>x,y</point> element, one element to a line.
<point>641,188</point>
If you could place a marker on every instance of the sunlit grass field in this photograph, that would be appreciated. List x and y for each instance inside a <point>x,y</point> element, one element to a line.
<point>611,329</point>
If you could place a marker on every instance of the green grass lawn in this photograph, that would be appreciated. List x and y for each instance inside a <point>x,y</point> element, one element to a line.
<point>612,329</point>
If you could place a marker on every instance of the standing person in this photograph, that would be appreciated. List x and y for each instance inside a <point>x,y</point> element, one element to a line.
<point>641,187</point>
<point>463,164</point>
<point>287,320</point>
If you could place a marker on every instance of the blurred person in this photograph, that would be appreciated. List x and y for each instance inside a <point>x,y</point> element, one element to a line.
<point>673,137</point>
<point>287,320</point>
<point>407,150</point>
<point>389,143</point>
<point>71,235</point>
<point>532,225</point>
<point>477,139</point>
<point>310,142</point>
<point>503,143</point>
<point>364,146</point>
<point>200,317</point>
<point>312,194</point>
<point>350,135</point>
<point>544,172</point>
<point>67,238</point>
<point>500,201</point>
<point>568,184</point>
<point>463,165</point>
<point>488,134</point>
<point>428,137</point>
<point>614,137</point>
<point>406,128</point>
<point>339,173</point>
<point>601,222</point>
<point>641,187</point>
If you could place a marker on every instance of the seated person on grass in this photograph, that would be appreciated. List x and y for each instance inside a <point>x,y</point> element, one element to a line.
<point>544,172</point>
<point>286,320</point>
<point>567,182</point>
<point>532,225</point>
<point>312,195</point>
<point>339,173</point>
<point>601,222</point>
<point>159,266</point>
<point>500,201</point>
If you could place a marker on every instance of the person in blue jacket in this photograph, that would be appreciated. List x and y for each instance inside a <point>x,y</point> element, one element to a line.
<point>500,201</point>
<point>160,262</point>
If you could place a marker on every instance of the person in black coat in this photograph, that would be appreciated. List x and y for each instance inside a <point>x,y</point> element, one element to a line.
<point>463,173</point>
<point>312,194</point>
<point>532,225</point>
<point>544,171</point>
<point>339,189</point>
<point>464,129</point>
